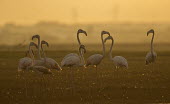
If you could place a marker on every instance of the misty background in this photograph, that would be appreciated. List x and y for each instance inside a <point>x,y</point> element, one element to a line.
<point>57,21</point>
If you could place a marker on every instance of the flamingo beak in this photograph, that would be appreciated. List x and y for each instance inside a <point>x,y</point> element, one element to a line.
<point>85,33</point>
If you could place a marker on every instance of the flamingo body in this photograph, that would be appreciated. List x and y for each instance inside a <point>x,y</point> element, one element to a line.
<point>24,63</point>
<point>120,61</point>
<point>51,64</point>
<point>150,58</point>
<point>94,59</point>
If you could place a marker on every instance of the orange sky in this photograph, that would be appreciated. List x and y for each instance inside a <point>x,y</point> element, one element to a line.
<point>84,11</point>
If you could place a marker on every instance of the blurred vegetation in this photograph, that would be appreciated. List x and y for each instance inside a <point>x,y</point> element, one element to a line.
<point>56,33</point>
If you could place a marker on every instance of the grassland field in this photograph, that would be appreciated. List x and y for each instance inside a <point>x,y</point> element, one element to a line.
<point>138,84</point>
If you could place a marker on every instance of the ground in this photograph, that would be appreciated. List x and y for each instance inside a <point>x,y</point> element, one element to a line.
<point>138,84</point>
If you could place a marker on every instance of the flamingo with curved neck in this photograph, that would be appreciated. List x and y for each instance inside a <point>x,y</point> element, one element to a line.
<point>97,58</point>
<point>151,56</point>
<point>118,61</point>
<point>79,42</point>
<point>49,62</point>
<point>71,61</point>
<point>26,62</point>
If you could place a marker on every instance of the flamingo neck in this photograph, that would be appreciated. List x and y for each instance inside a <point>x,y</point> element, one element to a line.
<point>81,57</point>
<point>78,39</point>
<point>31,55</point>
<point>152,43</point>
<point>103,45</point>
<point>39,47</point>
<point>43,53</point>
<point>83,61</point>
<point>111,47</point>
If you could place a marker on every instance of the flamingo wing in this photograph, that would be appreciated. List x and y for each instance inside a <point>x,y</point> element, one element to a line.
<point>94,59</point>
<point>70,61</point>
<point>120,61</point>
<point>150,58</point>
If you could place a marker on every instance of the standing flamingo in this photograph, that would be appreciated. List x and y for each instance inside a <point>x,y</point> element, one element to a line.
<point>74,61</point>
<point>78,39</point>
<point>49,62</point>
<point>97,58</point>
<point>25,62</point>
<point>151,56</point>
<point>118,61</point>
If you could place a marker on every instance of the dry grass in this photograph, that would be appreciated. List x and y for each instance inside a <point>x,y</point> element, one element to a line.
<point>138,84</point>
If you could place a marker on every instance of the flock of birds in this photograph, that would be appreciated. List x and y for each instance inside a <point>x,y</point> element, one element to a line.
<point>45,64</point>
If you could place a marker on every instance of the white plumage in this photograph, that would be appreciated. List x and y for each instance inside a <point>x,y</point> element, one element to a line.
<point>151,56</point>
<point>72,61</point>
<point>94,60</point>
<point>97,58</point>
<point>25,62</point>
<point>118,61</point>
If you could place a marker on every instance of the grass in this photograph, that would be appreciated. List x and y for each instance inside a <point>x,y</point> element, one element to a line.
<point>138,84</point>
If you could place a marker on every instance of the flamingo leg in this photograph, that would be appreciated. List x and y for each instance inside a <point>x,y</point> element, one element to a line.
<point>72,91</point>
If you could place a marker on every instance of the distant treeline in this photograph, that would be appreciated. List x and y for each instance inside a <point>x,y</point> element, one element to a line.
<point>56,33</point>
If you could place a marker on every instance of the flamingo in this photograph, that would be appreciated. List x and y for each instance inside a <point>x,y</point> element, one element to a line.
<point>118,61</point>
<point>39,69</point>
<point>73,60</point>
<point>97,58</point>
<point>78,39</point>
<point>49,62</point>
<point>26,61</point>
<point>151,56</point>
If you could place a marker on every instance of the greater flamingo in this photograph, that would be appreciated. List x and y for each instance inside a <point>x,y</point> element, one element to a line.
<point>49,62</point>
<point>79,42</point>
<point>73,60</point>
<point>118,61</point>
<point>26,61</point>
<point>151,56</point>
<point>97,58</point>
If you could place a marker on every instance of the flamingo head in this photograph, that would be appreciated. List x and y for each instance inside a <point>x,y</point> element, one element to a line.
<point>105,32</point>
<point>108,38</point>
<point>150,31</point>
<point>35,36</point>
<point>81,31</point>
<point>57,67</point>
<point>44,42</point>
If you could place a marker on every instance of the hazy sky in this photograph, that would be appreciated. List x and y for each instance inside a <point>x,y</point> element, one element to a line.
<point>84,11</point>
